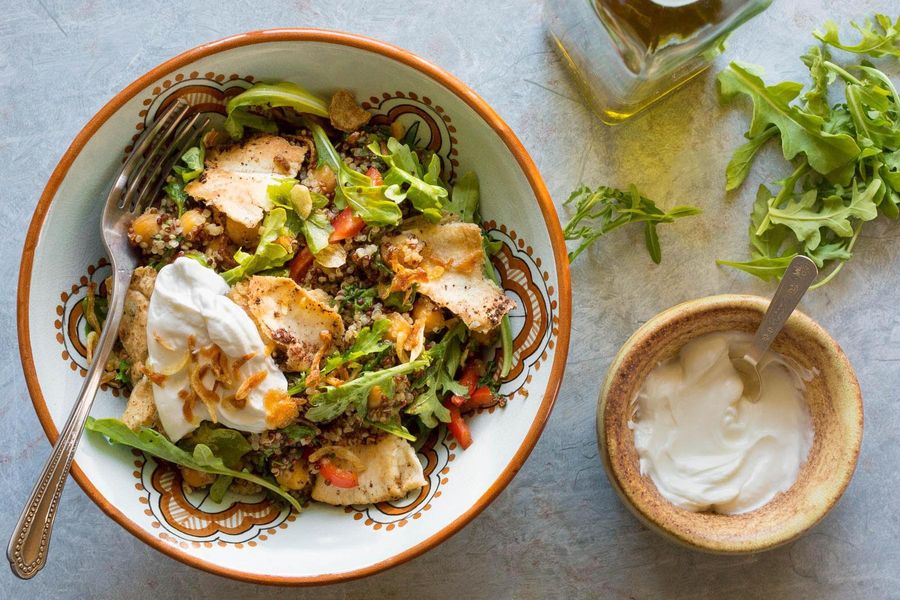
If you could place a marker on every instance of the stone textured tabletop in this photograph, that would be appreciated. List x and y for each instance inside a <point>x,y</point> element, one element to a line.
<point>558,530</point>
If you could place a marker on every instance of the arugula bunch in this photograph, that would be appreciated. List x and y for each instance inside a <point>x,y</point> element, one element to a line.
<point>600,211</point>
<point>846,156</point>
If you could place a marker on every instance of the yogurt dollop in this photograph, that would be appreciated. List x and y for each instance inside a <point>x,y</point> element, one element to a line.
<point>704,445</point>
<point>191,320</point>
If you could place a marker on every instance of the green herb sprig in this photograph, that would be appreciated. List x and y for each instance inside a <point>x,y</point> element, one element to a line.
<point>602,210</point>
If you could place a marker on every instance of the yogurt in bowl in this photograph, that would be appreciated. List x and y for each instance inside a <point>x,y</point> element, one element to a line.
<point>677,464</point>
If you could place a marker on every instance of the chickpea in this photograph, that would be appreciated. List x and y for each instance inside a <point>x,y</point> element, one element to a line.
<point>325,176</point>
<point>376,397</point>
<point>191,222</point>
<point>285,242</point>
<point>240,234</point>
<point>432,316</point>
<point>196,479</point>
<point>301,200</point>
<point>397,130</point>
<point>296,477</point>
<point>146,225</point>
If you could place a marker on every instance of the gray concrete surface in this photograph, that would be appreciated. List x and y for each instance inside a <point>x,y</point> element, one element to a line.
<point>558,530</point>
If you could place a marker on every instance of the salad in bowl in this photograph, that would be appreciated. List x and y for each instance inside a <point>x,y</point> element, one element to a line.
<point>312,299</point>
<point>313,327</point>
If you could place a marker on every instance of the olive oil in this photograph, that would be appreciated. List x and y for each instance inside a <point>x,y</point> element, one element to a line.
<point>626,54</point>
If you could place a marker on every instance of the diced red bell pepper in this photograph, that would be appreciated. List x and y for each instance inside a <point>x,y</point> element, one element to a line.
<point>459,428</point>
<point>481,397</point>
<point>375,176</point>
<point>300,264</point>
<point>345,225</point>
<point>469,377</point>
<point>337,476</point>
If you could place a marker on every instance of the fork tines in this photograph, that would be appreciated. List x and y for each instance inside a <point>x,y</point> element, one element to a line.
<point>153,157</point>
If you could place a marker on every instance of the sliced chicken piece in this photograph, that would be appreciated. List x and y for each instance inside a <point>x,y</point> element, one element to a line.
<point>141,409</point>
<point>133,327</point>
<point>236,177</point>
<point>297,322</point>
<point>446,260</point>
<point>392,470</point>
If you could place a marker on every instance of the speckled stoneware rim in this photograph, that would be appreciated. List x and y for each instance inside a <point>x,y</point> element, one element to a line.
<point>453,86</point>
<point>835,406</point>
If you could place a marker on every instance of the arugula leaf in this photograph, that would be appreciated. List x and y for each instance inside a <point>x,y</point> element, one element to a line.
<point>334,401</point>
<point>219,487</point>
<point>273,95</point>
<point>241,118</point>
<point>394,428</point>
<point>123,373</point>
<point>357,298</point>
<point>816,98</point>
<point>807,215</point>
<point>193,163</point>
<point>440,379</point>
<point>880,37</point>
<point>174,189</point>
<point>406,178</point>
<point>201,459</point>
<point>605,209</point>
<point>269,253</point>
<point>464,199</point>
<point>369,340</point>
<point>227,444</point>
<point>354,189</point>
<point>766,268</point>
<point>506,339</point>
<point>742,159</point>
<point>801,132</point>
<point>296,432</point>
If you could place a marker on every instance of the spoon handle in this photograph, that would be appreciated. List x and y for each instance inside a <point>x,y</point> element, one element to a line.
<point>799,275</point>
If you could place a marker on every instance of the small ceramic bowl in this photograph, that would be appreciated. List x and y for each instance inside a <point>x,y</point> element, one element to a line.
<point>250,537</point>
<point>835,405</point>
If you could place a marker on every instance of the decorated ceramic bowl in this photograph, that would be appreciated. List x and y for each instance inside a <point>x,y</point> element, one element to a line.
<point>835,406</point>
<point>253,538</point>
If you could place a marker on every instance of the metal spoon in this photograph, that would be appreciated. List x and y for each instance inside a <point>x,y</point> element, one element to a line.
<point>797,279</point>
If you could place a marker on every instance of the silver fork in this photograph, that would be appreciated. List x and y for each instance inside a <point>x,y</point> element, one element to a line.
<point>137,185</point>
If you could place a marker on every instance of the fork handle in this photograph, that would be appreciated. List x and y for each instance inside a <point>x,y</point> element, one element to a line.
<point>27,550</point>
<point>800,274</point>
